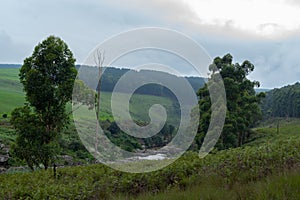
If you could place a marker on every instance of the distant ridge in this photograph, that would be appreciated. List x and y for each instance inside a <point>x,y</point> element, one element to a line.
<point>282,102</point>
<point>10,66</point>
<point>196,82</point>
<point>258,90</point>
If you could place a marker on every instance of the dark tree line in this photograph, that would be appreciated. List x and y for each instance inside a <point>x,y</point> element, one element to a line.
<point>283,102</point>
<point>111,76</point>
<point>130,143</point>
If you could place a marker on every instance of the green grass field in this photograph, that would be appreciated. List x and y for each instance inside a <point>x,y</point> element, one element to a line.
<point>11,94</point>
<point>267,131</point>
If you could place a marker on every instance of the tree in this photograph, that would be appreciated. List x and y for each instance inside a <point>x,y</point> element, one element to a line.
<point>99,60</point>
<point>243,109</point>
<point>48,77</point>
<point>282,102</point>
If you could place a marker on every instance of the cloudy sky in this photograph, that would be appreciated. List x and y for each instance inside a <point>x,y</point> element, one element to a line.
<point>266,32</point>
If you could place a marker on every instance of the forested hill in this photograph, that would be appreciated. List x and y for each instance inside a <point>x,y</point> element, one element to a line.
<point>9,66</point>
<point>111,76</point>
<point>282,102</point>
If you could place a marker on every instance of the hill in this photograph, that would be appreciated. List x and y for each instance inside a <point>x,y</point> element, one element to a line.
<point>266,167</point>
<point>269,170</point>
<point>11,94</point>
<point>282,102</point>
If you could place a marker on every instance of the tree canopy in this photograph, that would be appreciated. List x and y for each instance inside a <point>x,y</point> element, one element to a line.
<point>243,109</point>
<point>282,102</point>
<point>47,76</point>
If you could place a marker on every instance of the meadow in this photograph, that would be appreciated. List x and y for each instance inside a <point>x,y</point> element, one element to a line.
<point>11,94</point>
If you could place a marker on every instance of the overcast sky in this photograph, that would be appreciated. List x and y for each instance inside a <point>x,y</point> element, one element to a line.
<point>266,32</point>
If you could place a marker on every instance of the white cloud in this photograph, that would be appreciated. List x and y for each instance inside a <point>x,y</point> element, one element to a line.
<point>264,31</point>
<point>268,18</point>
<point>280,66</point>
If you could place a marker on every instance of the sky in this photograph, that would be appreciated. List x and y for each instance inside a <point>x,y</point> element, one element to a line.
<point>266,32</point>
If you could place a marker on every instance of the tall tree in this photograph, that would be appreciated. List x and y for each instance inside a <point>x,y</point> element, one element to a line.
<point>243,109</point>
<point>99,60</point>
<point>47,76</point>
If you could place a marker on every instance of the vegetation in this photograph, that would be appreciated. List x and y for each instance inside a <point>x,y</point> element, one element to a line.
<point>242,103</point>
<point>11,94</point>
<point>282,102</point>
<point>111,76</point>
<point>284,186</point>
<point>233,173</point>
<point>265,164</point>
<point>48,77</point>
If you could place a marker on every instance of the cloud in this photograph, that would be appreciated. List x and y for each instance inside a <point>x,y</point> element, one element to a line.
<point>84,24</point>
<point>10,50</point>
<point>168,10</point>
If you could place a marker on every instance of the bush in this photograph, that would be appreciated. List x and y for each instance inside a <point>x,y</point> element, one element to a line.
<point>4,116</point>
<point>231,167</point>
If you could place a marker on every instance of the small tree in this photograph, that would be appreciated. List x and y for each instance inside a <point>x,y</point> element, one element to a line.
<point>99,60</point>
<point>48,77</point>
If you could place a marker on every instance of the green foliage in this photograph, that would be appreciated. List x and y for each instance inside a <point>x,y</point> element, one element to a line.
<point>226,170</point>
<point>11,96</point>
<point>112,75</point>
<point>130,143</point>
<point>242,103</point>
<point>284,186</point>
<point>282,102</point>
<point>30,143</point>
<point>47,77</point>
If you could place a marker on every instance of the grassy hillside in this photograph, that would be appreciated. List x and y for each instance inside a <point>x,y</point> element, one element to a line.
<point>11,94</point>
<point>284,186</point>
<point>274,129</point>
<point>282,102</point>
<point>266,170</point>
<point>267,167</point>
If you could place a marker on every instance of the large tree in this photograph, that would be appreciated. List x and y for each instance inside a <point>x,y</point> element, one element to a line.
<point>48,77</point>
<point>243,109</point>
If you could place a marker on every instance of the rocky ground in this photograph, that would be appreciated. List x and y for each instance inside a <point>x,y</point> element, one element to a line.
<point>4,156</point>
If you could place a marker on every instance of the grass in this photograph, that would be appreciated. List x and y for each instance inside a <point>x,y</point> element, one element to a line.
<point>11,94</point>
<point>7,133</point>
<point>266,171</point>
<point>283,186</point>
<point>266,168</point>
<point>266,132</point>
